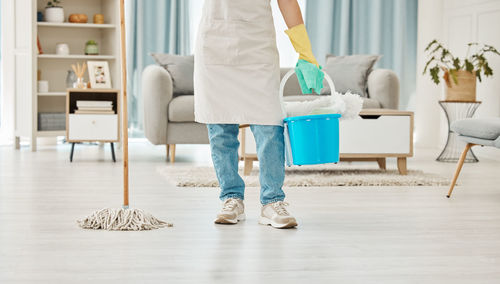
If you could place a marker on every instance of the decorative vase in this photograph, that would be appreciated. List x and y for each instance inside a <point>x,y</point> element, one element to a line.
<point>62,49</point>
<point>80,84</point>
<point>54,14</point>
<point>91,48</point>
<point>464,90</point>
<point>43,86</point>
<point>39,16</point>
<point>71,79</point>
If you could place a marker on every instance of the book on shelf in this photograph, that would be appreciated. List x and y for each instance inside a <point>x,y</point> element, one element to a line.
<point>94,112</point>
<point>94,104</point>
<point>94,107</point>
<point>39,45</point>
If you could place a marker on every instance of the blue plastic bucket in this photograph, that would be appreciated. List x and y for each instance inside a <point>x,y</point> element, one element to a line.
<point>314,139</point>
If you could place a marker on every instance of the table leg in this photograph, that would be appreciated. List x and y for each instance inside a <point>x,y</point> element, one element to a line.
<point>168,151</point>
<point>17,143</point>
<point>453,148</point>
<point>402,166</point>
<point>113,152</point>
<point>248,166</point>
<point>72,151</point>
<point>381,163</point>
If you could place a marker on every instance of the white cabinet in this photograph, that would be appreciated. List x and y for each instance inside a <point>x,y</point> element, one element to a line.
<point>376,135</point>
<point>28,66</point>
<point>93,127</point>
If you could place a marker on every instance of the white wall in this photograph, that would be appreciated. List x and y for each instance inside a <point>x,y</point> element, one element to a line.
<point>430,26</point>
<point>7,81</point>
<point>455,23</point>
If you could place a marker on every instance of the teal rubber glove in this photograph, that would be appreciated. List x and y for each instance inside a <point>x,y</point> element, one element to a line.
<point>310,77</point>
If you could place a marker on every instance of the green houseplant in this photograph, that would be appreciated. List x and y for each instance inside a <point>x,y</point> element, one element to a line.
<point>54,12</point>
<point>459,74</point>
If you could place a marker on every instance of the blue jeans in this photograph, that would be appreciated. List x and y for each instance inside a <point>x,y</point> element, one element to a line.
<point>270,151</point>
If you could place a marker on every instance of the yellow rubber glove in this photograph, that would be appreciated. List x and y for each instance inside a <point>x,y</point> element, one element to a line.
<point>300,41</point>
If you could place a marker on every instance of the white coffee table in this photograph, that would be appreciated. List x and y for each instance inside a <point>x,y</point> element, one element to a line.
<point>376,135</point>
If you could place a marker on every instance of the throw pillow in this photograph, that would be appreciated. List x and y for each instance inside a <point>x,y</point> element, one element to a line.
<point>349,73</point>
<point>181,68</point>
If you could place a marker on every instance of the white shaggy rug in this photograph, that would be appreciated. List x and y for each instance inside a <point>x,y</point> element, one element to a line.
<point>304,176</point>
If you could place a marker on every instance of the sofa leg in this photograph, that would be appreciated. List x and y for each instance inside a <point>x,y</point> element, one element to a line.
<point>459,168</point>
<point>172,153</point>
<point>168,151</point>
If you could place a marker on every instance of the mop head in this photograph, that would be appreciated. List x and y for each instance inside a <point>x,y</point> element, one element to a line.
<point>348,105</point>
<point>114,219</point>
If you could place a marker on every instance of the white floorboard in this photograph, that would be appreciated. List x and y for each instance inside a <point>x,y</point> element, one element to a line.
<point>345,234</point>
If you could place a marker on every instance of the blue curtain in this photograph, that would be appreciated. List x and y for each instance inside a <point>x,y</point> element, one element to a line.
<point>385,27</point>
<point>152,26</point>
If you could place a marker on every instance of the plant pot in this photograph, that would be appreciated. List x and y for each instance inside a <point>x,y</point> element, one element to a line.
<point>91,48</point>
<point>465,88</point>
<point>54,15</point>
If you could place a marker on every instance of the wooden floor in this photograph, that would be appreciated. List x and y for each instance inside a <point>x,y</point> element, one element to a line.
<point>345,234</point>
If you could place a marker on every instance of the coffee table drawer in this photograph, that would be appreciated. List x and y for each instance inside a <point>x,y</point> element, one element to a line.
<point>92,127</point>
<point>376,135</point>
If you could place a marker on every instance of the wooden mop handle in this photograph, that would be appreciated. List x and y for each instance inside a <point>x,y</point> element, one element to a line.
<point>124,103</point>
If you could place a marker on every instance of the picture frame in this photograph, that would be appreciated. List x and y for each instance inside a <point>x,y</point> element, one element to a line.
<point>99,75</point>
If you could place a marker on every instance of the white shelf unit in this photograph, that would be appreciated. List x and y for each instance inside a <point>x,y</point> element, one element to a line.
<point>53,67</point>
<point>76,25</point>
<point>76,56</point>
<point>52,94</point>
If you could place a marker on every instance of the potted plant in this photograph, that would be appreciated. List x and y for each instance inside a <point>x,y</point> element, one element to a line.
<point>459,74</point>
<point>54,13</point>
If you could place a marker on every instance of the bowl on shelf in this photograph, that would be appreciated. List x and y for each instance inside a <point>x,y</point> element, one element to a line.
<point>62,49</point>
<point>78,18</point>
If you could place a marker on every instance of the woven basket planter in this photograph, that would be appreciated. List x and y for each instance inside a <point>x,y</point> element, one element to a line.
<point>465,88</point>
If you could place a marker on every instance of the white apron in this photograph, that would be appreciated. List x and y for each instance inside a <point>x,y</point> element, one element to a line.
<point>237,73</point>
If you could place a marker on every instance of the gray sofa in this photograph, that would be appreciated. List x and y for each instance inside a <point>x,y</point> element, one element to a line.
<point>169,117</point>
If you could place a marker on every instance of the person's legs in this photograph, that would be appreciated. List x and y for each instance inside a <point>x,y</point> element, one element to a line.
<point>271,155</point>
<point>224,146</point>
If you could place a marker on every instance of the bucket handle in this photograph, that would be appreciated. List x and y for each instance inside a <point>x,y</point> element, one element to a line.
<point>285,79</point>
<point>288,149</point>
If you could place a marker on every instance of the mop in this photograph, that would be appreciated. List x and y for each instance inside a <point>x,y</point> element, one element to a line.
<point>125,218</point>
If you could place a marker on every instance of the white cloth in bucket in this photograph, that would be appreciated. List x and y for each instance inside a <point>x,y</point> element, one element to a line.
<point>348,105</point>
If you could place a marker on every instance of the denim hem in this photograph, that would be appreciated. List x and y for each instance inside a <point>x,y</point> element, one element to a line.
<point>272,201</point>
<point>232,196</point>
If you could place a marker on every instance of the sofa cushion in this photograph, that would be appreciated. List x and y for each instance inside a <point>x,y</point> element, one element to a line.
<point>349,73</point>
<point>371,103</point>
<point>482,128</point>
<point>181,109</point>
<point>181,69</point>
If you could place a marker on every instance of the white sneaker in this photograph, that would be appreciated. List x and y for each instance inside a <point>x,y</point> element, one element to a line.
<point>275,214</point>
<point>232,211</point>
